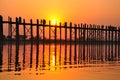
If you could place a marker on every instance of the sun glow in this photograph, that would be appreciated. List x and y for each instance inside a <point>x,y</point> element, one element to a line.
<point>53,22</point>
<point>55,19</point>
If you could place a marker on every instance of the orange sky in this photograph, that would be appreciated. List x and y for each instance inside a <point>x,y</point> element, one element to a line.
<point>85,11</point>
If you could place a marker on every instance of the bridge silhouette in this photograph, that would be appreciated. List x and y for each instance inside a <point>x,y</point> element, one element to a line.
<point>47,33</point>
<point>77,36</point>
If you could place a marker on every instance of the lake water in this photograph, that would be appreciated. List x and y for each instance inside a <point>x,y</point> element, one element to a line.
<point>59,62</point>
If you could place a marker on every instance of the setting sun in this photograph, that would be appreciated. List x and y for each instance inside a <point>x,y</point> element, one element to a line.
<point>53,22</point>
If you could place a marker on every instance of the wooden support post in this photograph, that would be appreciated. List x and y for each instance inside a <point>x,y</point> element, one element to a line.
<point>31,51</point>
<point>17,31</point>
<point>106,35</point>
<point>118,42</point>
<point>84,31</point>
<point>55,34</point>
<point>60,45</point>
<point>75,46</point>
<point>1,30</point>
<point>37,31</point>
<point>118,35</point>
<point>79,43</point>
<point>116,45</point>
<point>87,34</point>
<point>49,31</point>
<point>49,41</point>
<point>112,34</point>
<point>17,46</point>
<point>37,44</point>
<point>86,41</point>
<point>90,33</point>
<point>109,38</point>
<point>65,27</point>
<point>1,42</point>
<point>95,39</point>
<point>44,22</point>
<point>70,57</point>
<point>31,30</point>
<point>10,29</point>
<point>24,31</point>
<point>60,33</point>
<point>102,33</point>
<point>109,34</point>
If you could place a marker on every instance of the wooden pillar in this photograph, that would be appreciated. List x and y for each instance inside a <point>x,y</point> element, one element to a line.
<point>75,46</point>
<point>65,27</point>
<point>112,35</point>
<point>10,29</point>
<point>109,34</point>
<point>87,34</point>
<point>86,41</point>
<point>55,34</point>
<point>116,53</point>
<point>106,35</point>
<point>60,33</point>
<point>70,57</point>
<point>24,30</point>
<point>84,33</point>
<point>17,68</point>
<point>118,42</point>
<point>1,30</point>
<point>31,30</point>
<point>44,22</point>
<point>79,51</point>
<point>1,42</point>
<point>37,31</point>
<point>49,42</point>
<point>94,33</point>
<point>109,40</point>
<point>49,31</point>
<point>102,33</point>
<point>24,49</point>
<point>17,31</point>
<point>31,34</point>
<point>60,45</point>
<point>37,45</point>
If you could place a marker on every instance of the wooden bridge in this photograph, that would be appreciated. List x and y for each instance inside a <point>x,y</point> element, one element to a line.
<point>41,32</point>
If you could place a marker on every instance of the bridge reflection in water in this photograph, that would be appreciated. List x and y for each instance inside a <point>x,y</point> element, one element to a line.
<point>40,57</point>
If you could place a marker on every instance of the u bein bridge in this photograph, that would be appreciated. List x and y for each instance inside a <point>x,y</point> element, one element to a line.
<point>20,31</point>
<point>72,44</point>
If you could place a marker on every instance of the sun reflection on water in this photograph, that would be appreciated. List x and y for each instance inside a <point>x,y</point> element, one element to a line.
<point>52,61</point>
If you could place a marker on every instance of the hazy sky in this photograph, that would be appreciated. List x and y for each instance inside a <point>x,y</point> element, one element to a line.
<point>85,11</point>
